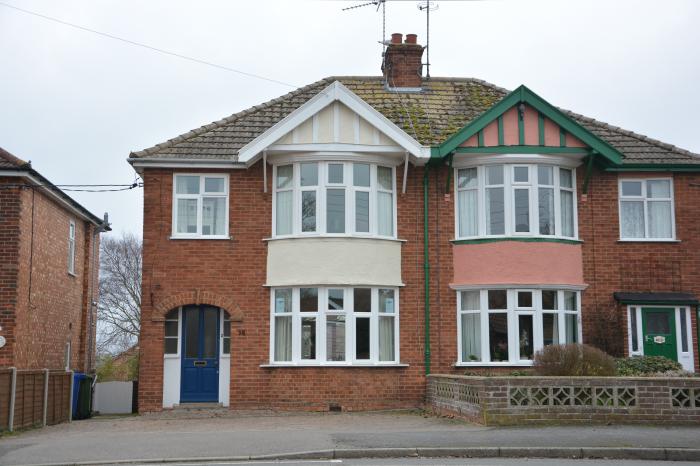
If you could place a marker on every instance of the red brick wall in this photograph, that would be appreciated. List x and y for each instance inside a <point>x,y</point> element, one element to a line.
<point>9,269</point>
<point>50,304</point>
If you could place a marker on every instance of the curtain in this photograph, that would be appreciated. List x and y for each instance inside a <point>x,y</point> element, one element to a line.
<point>632,218</point>
<point>470,300</point>
<point>284,213</point>
<point>471,337</point>
<point>546,208</point>
<point>571,328</point>
<point>495,214</point>
<point>385,211</point>
<point>386,339</point>
<point>213,215</point>
<point>187,215</point>
<point>567,213</point>
<point>468,210</point>
<point>362,211</point>
<point>283,338</point>
<point>659,215</point>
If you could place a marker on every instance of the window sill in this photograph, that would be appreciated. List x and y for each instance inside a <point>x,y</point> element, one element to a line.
<point>350,366</point>
<point>382,238</point>
<point>524,239</point>
<point>494,364</point>
<point>648,240</point>
<point>220,238</point>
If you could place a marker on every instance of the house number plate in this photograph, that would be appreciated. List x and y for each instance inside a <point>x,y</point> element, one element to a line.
<point>660,339</point>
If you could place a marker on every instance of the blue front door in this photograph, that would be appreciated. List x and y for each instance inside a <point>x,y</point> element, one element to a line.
<point>200,354</point>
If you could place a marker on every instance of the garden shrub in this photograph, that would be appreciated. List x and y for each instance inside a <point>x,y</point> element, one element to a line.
<point>574,360</point>
<point>641,366</point>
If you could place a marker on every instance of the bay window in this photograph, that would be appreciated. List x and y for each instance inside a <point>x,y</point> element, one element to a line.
<point>200,206</point>
<point>334,326</point>
<point>515,200</point>
<point>334,198</point>
<point>507,326</point>
<point>646,209</point>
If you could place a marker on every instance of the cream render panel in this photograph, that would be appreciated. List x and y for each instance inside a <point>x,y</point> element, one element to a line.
<point>333,261</point>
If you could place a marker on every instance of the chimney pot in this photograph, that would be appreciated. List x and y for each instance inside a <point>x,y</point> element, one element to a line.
<point>396,38</point>
<point>402,62</point>
<point>411,38</point>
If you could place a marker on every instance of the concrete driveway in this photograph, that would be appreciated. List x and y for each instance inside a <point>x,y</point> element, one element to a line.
<point>183,436</point>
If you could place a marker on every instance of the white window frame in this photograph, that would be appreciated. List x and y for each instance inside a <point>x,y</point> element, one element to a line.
<point>321,191</point>
<point>350,316</point>
<point>645,201</point>
<point>199,197</point>
<point>178,319</point>
<point>513,311</point>
<point>71,247</point>
<point>509,187</point>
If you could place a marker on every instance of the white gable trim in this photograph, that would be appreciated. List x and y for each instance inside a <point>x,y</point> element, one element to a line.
<point>336,91</point>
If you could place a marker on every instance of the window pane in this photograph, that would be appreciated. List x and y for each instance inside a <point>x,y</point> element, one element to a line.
<point>362,211</point>
<point>384,178</point>
<point>495,218</point>
<point>191,332</point>
<point>385,213</point>
<point>227,328</point>
<point>386,301</point>
<point>171,328</point>
<point>546,210</point>
<point>571,327</point>
<point>309,174</point>
<point>336,300</point>
<point>494,174</point>
<point>498,299</point>
<point>632,219</point>
<point>283,338</point>
<point>308,299</point>
<point>498,337</point>
<point>567,214</point>
<point>659,215</point>
<point>335,338</point>
<point>631,188</point>
<point>521,174</point>
<point>362,299</point>
<point>187,184</point>
<point>170,346</point>
<point>386,339</point>
<point>284,213</point>
<point>684,331</point>
<point>566,179</point>
<point>335,211</point>
<point>549,299</point>
<point>470,300</point>
<point>468,212</point>
<point>634,329</point>
<point>308,338</point>
<point>570,301</point>
<point>213,185</point>
<point>659,189</point>
<point>213,215</point>
<point>471,337</point>
<point>467,178</point>
<point>226,346</point>
<point>524,298</point>
<point>522,210</point>
<point>308,211</point>
<point>550,329</point>
<point>283,300</point>
<point>335,173</point>
<point>360,174</point>
<point>187,215</point>
<point>210,315</point>
<point>362,337</point>
<point>545,175</point>
<point>525,341</point>
<point>284,176</point>
<point>657,322</point>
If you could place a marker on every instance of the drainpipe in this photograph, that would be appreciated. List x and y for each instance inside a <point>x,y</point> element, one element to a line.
<point>426,269</point>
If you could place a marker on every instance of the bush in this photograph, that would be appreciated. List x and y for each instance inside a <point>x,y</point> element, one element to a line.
<point>574,360</point>
<point>645,366</point>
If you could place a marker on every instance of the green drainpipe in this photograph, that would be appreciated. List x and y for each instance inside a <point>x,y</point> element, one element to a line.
<point>426,269</point>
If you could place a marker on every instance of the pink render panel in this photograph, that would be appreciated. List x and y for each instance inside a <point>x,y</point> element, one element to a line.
<point>532,132</point>
<point>520,263</point>
<point>551,133</point>
<point>573,141</point>
<point>491,134</point>
<point>510,127</point>
<point>471,142</point>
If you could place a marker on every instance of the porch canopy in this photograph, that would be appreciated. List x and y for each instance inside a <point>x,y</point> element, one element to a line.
<point>656,298</point>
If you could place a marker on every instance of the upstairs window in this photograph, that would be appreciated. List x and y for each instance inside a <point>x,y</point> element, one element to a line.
<point>334,198</point>
<point>646,209</point>
<point>71,247</point>
<point>515,200</point>
<point>200,206</point>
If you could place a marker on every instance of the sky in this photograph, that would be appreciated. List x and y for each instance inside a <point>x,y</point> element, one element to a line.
<point>76,103</point>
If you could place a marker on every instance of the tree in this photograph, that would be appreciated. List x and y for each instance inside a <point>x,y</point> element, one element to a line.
<point>119,308</point>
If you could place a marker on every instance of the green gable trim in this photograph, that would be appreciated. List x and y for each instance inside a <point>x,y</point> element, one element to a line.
<point>521,127</point>
<point>655,167</point>
<point>562,137</point>
<point>480,138</point>
<point>524,95</point>
<point>501,139</point>
<point>522,150</point>
<point>516,238</point>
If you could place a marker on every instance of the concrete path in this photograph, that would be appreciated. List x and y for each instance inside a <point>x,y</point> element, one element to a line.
<point>253,434</point>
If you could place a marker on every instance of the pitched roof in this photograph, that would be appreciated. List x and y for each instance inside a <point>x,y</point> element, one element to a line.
<point>443,107</point>
<point>8,160</point>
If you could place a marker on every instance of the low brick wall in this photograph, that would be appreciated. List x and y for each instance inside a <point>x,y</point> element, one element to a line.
<point>551,400</point>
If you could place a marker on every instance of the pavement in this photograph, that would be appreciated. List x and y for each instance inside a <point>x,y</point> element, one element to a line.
<point>267,436</point>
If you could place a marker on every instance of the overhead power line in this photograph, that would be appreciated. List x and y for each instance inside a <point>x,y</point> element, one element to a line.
<point>146,46</point>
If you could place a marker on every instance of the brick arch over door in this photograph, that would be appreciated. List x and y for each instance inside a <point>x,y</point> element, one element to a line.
<point>198,297</point>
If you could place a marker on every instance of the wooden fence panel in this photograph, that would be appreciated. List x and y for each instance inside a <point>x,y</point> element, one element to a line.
<point>29,399</point>
<point>59,397</point>
<point>5,389</point>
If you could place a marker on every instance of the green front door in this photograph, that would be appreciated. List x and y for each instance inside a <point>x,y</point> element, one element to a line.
<point>659,327</point>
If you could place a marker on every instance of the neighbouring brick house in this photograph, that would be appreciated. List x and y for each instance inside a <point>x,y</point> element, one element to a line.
<point>49,272</point>
<point>327,249</point>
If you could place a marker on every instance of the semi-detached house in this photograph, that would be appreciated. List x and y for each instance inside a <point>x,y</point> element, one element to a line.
<point>328,248</point>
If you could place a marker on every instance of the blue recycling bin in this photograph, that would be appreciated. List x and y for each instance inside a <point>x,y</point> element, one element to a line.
<point>82,396</point>
<point>77,377</point>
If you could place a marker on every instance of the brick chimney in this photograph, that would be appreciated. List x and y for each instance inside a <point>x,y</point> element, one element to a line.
<point>402,66</point>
